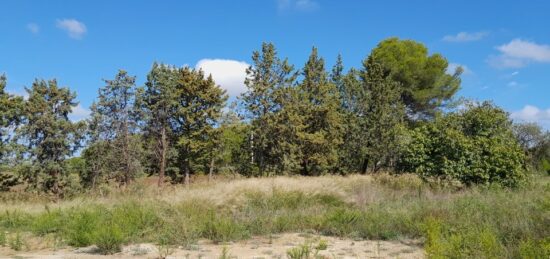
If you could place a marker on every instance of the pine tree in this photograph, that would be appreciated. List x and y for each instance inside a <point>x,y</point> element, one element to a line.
<point>10,116</point>
<point>384,116</point>
<point>118,125</point>
<point>49,134</point>
<point>158,103</point>
<point>268,78</point>
<point>319,104</point>
<point>199,104</point>
<point>353,101</point>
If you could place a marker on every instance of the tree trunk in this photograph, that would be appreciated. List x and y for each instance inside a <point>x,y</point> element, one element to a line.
<point>365,166</point>
<point>211,170</point>
<point>187,174</point>
<point>162,156</point>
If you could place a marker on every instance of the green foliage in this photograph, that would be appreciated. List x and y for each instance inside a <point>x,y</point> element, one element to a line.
<point>536,249</point>
<point>3,238</point>
<point>49,134</point>
<point>383,117</point>
<point>536,145</point>
<point>80,229</point>
<point>424,80</point>
<point>223,229</point>
<point>268,80</point>
<point>473,146</point>
<point>200,102</point>
<point>49,222</point>
<point>303,251</point>
<point>16,242</point>
<point>318,119</point>
<point>109,238</point>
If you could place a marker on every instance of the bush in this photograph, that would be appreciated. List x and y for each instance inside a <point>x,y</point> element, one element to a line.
<point>473,146</point>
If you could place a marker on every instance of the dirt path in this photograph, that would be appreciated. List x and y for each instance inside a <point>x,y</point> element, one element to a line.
<point>258,247</point>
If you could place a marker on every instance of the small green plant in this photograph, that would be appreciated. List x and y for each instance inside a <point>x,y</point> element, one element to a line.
<point>3,238</point>
<point>322,245</point>
<point>300,252</point>
<point>16,242</point>
<point>225,253</point>
<point>164,244</point>
<point>109,239</point>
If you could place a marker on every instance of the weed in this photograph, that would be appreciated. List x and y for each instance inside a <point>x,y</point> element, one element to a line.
<point>16,242</point>
<point>109,239</point>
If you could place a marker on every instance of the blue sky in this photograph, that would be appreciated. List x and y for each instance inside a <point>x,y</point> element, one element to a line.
<point>504,45</point>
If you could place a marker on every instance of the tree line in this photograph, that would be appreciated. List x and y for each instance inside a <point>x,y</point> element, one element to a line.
<point>394,113</point>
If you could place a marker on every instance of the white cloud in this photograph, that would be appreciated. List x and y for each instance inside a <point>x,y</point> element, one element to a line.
<point>33,28</point>
<point>298,5</point>
<point>518,53</point>
<point>229,74</point>
<point>465,36</point>
<point>531,113</point>
<point>74,28</point>
<point>515,73</point>
<point>451,68</point>
<point>79,113</point>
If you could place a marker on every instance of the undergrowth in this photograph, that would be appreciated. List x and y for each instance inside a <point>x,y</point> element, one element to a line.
<point>478,222</point>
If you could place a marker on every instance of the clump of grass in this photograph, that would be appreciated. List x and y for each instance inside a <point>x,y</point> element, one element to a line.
<point>49,222</point>
<point>300,252</point>
<point>223,229</point>
<point>16,242</point>
<point>109,239</point>
<point>322,245</point>
<point>3,237</point>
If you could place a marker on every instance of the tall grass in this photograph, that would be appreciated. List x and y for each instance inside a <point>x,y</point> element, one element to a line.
<point>479,222</point>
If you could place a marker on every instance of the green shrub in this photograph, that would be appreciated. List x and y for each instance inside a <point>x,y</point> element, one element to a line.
<point>108,238</point>
<point>474,146</point>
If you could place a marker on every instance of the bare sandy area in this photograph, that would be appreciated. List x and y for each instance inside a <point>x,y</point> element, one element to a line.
<point>257,247</point>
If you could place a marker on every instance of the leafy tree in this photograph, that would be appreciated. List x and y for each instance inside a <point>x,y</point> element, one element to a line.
<point>115,123</point>
<point>424,81</point>
<point>474,146</point>
<point>199,104</point>
<point>535,143</point>
<point>158,103</point>
<point>49,134</point>
<point>10,116</point>
<point>268,80</point>
<point>318,103</point>
<point>383,116</point>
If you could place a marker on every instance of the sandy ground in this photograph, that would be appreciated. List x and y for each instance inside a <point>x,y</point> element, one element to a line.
<point>258,247</point>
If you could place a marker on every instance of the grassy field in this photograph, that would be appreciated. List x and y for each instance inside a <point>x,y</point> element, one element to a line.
<point>449,222</point>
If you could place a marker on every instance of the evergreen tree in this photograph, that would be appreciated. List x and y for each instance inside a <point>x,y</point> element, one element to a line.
<point>117,125</point>
<point>199,104</point>
<point>319,104</point>
<point>268,78</point>
<point>158,103</point>
<point>49,134</point>
<point>353,101</point>
<point>10,115</point>
<point>384,116</point>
